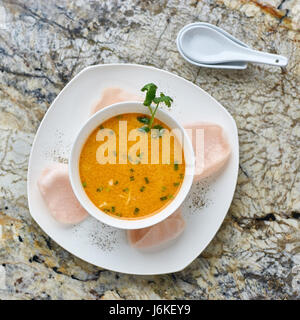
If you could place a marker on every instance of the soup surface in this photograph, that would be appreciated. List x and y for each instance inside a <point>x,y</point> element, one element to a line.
<point>133,190</point>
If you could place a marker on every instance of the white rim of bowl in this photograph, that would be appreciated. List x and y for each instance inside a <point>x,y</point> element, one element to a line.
<point>89,206</point>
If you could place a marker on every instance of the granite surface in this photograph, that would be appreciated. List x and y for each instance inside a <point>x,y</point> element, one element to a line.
<point>256,253</point>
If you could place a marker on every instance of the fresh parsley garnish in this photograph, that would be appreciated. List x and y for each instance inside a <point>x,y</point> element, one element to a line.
<point>144,119</point>
<point>144,129</point>
<point>158,127</point>
<point>150,89</point>
<point>151,98</point>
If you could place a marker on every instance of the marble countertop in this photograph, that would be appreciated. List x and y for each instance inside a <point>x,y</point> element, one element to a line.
<point>256,253</point>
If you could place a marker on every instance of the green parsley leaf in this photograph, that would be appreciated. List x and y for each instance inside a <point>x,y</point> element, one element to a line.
<point>150,89</point>
<point>144,129</point>
<point>158,127</point>
<point>165,99</point>
<point>143,119</point>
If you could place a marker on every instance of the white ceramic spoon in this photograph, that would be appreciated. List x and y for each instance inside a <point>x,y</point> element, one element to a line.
<point>206,45</point>
<point>226,65</point>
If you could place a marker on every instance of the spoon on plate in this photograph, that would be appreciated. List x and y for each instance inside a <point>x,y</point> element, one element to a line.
<point>206,45</point>
<point>226,65</point>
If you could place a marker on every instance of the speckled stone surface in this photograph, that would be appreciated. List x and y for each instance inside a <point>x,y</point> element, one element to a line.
<point>256,253</point>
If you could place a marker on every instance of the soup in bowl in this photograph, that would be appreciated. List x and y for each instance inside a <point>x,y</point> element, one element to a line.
<point>126,175</point>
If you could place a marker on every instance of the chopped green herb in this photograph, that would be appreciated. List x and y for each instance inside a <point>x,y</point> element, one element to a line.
<point>143,119</point>
<point>113,209</point>
<point>84,184</point>
<point>146,180</point>
<point>131,170</point>
<point>176,184</point>
<point>101,127</point>
<point>119,214</point>
<point>144,129</point>
<point>163,188</point>
<point>99,189</point>
<point>158,127</point>
<point>132,178</point>
<point>106,210</point>
<point>116,182</point>
<point>170,196</point>
<point>136,210</point>
<point>126,190</point>
<point>142,188</point>
<point>163,198</point>
<point>176,167</point>
<point>181,176</point>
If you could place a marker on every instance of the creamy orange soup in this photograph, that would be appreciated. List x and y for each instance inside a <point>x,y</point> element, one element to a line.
<point>133,190</point>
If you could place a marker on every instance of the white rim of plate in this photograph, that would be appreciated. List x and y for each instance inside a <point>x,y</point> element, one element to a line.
<point>52,235</point>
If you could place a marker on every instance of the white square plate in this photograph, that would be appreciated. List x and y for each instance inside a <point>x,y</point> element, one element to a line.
<point>106,247</point>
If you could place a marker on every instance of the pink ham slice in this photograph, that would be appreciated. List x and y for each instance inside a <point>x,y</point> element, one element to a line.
<point>113,95</point>
<point>216,148</point>
<point>159,234</point>
<point>58,195</point>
